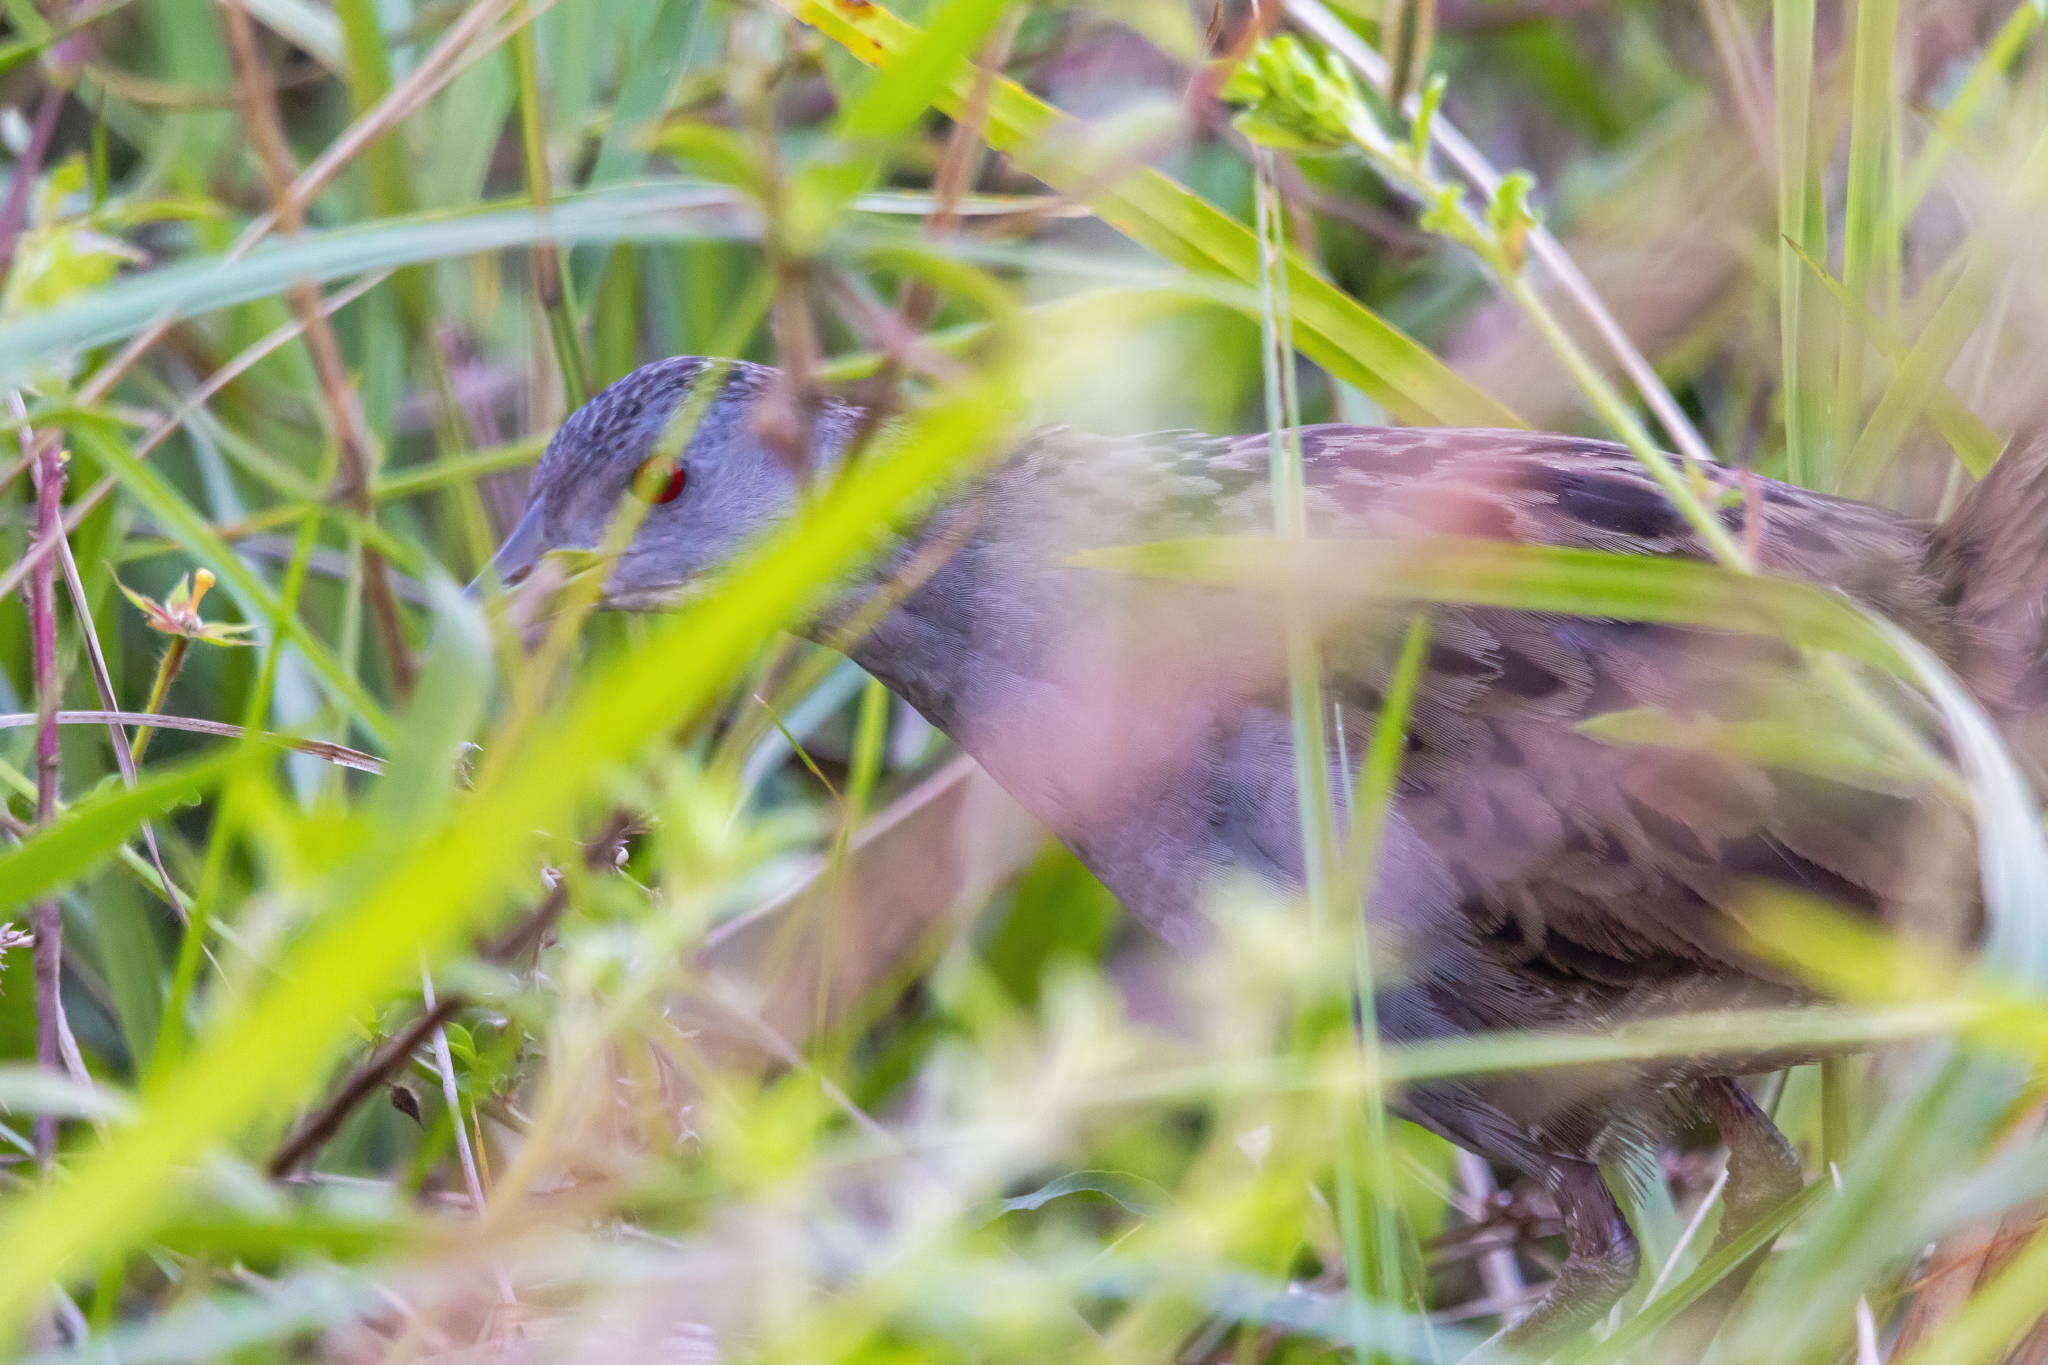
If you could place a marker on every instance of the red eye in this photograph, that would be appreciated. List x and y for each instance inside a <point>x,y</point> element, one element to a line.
<point>650,484</point>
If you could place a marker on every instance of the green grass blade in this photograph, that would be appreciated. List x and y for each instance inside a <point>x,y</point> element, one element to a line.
<point>1974,443</point>
<point>1869,248</point>
<point>194,287</point>
<point>97,826</point>
<point>1530,577</point>
<point>1801,229</point>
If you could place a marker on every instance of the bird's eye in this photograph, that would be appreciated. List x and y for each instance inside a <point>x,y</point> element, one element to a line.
<point>657,479</point>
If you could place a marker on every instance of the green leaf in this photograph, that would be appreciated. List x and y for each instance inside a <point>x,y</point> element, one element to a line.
<point>893,101</point>
<point>97,826</point>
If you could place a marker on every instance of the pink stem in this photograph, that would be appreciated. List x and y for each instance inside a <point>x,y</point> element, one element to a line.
<point>47,918</point>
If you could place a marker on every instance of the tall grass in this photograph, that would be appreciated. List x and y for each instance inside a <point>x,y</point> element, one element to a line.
<point>762,1029</point>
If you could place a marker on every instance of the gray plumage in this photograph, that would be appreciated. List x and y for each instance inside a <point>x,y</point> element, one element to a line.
<point>1533,876</point>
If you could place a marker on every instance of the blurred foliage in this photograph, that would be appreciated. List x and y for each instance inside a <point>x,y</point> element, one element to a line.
<point>764,1029</point>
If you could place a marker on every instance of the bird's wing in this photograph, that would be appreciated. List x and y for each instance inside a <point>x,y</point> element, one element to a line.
<point>1603,861</point>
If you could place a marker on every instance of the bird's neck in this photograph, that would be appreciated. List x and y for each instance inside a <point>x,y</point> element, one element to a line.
<point>913,620</point>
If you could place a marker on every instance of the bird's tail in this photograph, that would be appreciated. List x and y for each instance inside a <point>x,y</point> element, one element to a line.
<point>1991,559</point>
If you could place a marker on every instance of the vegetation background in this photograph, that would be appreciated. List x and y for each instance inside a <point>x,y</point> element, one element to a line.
<point>708,1008</point>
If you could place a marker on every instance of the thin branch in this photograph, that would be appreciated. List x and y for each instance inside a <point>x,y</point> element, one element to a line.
<point>788,414</point>
<point>338,754</point>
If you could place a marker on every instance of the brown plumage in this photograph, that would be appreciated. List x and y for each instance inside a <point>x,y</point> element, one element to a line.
<point>1533,875</point>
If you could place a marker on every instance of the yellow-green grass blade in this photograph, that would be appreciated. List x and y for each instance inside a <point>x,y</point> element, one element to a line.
<point>1986,76</point>
<point>1346,338</point>
<point>1967,282</point>
<point>1549,578</point>
<point>1637,1331</point>
<point>191,288</point>
<point>1732,1030</point>
<point>897,96</point>
<point>1784,740</point>
<point>1974,443</point>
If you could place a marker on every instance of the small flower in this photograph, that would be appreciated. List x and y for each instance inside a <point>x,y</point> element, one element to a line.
<point>178,614</point>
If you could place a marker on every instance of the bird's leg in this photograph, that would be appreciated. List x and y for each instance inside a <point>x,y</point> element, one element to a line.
<point>1600,1262</point>
<point>1763,1170</point>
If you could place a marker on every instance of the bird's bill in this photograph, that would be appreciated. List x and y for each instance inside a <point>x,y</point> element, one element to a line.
<point>520,551</point>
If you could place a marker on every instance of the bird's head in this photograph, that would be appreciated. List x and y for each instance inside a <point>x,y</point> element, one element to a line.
<point>679,446</point>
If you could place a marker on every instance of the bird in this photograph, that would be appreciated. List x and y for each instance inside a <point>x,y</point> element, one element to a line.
<point>1531,874</point>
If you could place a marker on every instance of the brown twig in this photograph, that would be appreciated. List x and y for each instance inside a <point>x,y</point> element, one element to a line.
<point>339,754</point>
<point>787,420</point>
<point>527,935</point>
<point>14,212</point>
<point>358,454</point>
<point>525,938</point>
<point>388,1056</point>
<point>1968,1257</point>
<point>960,166</point>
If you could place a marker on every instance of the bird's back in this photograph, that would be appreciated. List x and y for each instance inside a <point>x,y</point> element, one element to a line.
<point>1520,486</point>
